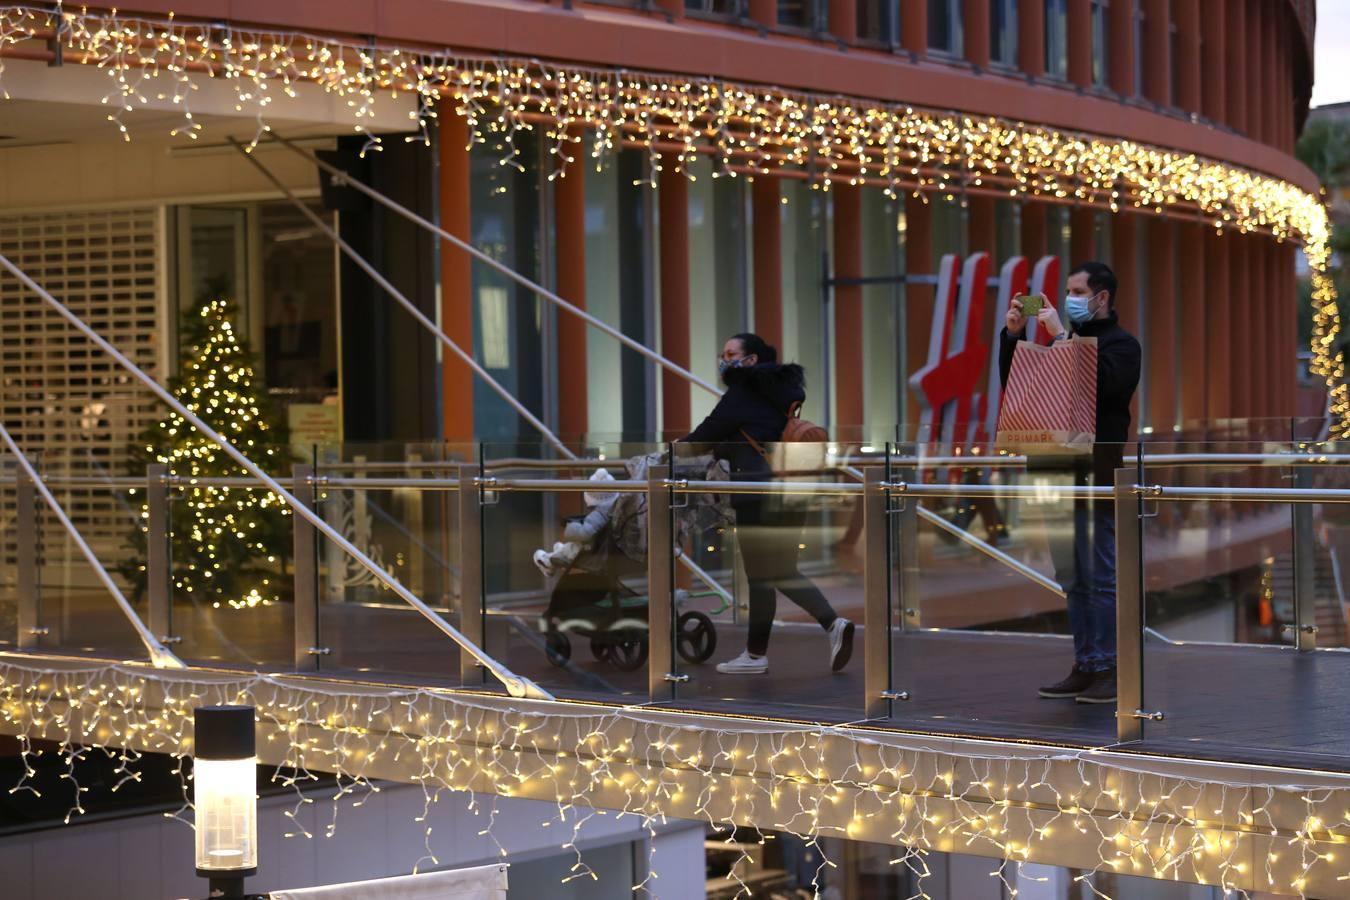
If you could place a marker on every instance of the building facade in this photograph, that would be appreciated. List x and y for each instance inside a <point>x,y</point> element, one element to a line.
<point>675,245</point>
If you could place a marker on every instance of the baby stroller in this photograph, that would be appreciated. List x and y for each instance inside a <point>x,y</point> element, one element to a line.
<point>591,600</point>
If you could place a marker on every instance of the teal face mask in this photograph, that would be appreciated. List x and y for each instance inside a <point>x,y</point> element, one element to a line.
<point>1079,309</point>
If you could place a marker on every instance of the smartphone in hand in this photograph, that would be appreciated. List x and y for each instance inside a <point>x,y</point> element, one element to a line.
<point>1031,304</point>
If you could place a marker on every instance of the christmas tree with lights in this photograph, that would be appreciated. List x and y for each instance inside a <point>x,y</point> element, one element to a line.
<point>227,544</point>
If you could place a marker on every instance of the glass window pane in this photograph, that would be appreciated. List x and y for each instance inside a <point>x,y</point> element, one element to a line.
<point>716,7</point>
<point>1057,38</point>
<point>878,20</point>
<point>1003,31</point>
<point>1099,48</point>
<point>718,273</point>
<point>811,14</point>
<point>941,33</point>
<point>505,224</point>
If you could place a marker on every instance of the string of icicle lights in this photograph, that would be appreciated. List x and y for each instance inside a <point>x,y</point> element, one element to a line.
<point>818,782</point>
<point>747,128</point>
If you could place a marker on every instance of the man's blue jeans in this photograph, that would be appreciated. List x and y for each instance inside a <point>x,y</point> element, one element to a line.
<point>1085,567</point>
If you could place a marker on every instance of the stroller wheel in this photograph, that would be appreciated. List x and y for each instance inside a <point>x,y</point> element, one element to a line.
<point>557,647</point>
<point>695,637</point>
<point>599,649</point>
<point>628,655</point>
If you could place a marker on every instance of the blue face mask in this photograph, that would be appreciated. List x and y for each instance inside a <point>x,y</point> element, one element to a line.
<point>1079,309</point>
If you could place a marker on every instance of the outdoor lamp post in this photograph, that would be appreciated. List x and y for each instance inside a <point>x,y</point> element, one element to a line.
<point>224,778</point>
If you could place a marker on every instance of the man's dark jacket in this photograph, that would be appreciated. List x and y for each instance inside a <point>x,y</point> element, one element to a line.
<point>1118,356</point>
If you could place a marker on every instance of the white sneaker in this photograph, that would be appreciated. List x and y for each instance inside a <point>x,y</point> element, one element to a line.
<point>841,643</point>
<point>544,562</point>
<point>745,664</point>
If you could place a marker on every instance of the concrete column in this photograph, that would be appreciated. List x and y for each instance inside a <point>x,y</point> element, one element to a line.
<point>1269,84</point>
<point>1157,51</point>
<point>768,259</point>
<point>1125,261</point>
<point>456,274</point>
<point>982,234</point>
<point>1278,400</point>
<point>918,297</point>
<point>975,18</point>
<point>1187,63</point>
<point>1034,241</point>
<point>674,255</point>
<point>1080,43</point>
<point>1120,26</point>
<point>1219,325</point>
<point>1031,37</point>
<point>1214,62</point>
<point>1160,352</point>
<point>844,20</point>
<point>569,215</point>
<point>848,311</point>
<point>1236,52</point>
<point>914,26</point>
<point>1195,322</point>
<point>765,12</point>
<point>1082,235</point>
<point>1245,273</point>
<point>981,227</point>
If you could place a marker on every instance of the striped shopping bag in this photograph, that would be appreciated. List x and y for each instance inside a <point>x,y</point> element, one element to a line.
<point>1050,402</point>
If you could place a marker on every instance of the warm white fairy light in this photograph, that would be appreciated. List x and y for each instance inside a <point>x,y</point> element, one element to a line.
<point>747,128</point>
<point>225,525</point>
<point>816,783</point>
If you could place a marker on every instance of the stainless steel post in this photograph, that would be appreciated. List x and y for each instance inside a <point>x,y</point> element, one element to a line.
<point>1305,572</point>
<point>1129,610</point>
<point>158,574</point>
<point>471,613</point>
<point>906,522</point>
<point>413,513</point>
<point>26,533</point>
<point>660,599</point>
<point>876,595</point>
<point>306,551</point>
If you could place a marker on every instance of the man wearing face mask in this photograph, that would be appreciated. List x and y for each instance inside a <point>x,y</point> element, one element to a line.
<point>1086,564</point>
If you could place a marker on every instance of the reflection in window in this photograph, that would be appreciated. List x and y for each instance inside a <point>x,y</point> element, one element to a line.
<point>505,224</point>
<point>299,299</point>
<point>728,8</point>
<point>879,22</point>
<point>1003,32</point>
<point>944,27</point>
<point>811,14</point>
<point>1057,38</point>
<point>1099,48</point>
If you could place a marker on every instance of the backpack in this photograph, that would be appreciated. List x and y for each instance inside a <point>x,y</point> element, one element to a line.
<point>783,458</point>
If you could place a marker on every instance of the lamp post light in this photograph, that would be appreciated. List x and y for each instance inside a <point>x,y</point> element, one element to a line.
<point>224,778</point>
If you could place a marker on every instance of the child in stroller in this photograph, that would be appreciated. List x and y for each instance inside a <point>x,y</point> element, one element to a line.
<point>586,572</point>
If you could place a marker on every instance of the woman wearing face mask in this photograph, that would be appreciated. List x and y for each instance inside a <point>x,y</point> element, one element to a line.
<point>1085,562</point>
<point>752,412</point>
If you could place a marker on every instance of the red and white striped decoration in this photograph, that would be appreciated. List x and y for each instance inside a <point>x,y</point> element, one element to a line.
<point>1051,397</point>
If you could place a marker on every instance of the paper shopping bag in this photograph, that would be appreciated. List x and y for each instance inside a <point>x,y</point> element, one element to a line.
<point>1050,402</point>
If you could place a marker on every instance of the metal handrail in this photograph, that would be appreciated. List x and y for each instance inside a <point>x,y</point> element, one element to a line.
<point>430,326</point>
<point>517,685</point>
<point>1236,494</point>
<point>160,655</point>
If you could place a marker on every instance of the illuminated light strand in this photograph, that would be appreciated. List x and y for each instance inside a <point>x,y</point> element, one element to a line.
<point>225,526</point>
<point>749,128</point>
<point>813,782</point>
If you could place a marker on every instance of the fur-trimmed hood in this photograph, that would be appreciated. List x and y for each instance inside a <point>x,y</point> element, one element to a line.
<point>781,385</point>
